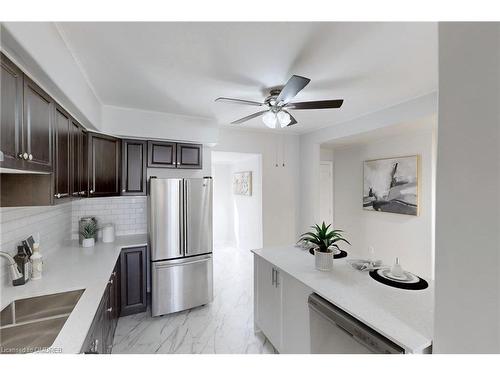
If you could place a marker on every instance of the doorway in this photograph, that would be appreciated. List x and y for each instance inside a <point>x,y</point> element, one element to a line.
<point>237,213</point>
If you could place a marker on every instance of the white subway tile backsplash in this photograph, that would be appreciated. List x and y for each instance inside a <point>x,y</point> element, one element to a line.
<point>55,224</point>
<point>128,214</point>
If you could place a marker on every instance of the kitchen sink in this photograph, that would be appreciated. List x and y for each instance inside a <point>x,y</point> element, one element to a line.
<point>32,324</point>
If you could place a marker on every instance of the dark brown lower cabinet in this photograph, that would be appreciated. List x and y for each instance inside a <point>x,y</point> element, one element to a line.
<point>125,294</point>
<point>133,280</point>
<point>99,339</point>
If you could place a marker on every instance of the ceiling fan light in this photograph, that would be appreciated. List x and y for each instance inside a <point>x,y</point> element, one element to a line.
<point>283,118</point>
<point>270,119</point>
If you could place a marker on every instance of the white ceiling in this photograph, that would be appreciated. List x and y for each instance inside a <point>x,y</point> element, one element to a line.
<point>181,68</point>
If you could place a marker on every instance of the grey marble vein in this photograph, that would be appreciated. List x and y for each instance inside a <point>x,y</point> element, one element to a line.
<point>223,326</point>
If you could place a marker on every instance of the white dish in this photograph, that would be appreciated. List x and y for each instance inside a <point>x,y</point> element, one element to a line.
<point>406,278</point>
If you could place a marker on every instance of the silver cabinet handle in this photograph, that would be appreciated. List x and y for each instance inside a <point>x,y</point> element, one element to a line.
<point>25,156</point>
<point>273,279</point>
<point>276,281</point>
<point>59,195</point>
<point>20,156</point>
<point>91,191</point>
<point>30,157</point>
<point>123,190</point>
<point>82,192</point>
<point>75,193</point>
<point>110,282</point>
<point>110,309</point>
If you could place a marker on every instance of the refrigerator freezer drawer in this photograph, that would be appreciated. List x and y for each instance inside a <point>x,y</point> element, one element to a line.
<point>181,284</point>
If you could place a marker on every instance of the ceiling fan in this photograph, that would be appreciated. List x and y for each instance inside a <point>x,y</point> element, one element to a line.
<point>278,104</point>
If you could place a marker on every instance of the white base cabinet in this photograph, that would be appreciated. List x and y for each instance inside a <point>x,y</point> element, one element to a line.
<point>281,311</point>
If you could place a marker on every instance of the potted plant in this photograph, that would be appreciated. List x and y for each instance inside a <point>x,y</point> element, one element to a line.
<point>88,233</point>
<point>324,238</point>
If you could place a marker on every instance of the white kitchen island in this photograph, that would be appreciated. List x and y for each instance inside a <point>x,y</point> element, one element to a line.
<point>284,276</point>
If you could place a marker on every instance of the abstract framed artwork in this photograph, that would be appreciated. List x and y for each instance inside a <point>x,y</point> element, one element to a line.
<point>242,183</point>
<point>391,185</point>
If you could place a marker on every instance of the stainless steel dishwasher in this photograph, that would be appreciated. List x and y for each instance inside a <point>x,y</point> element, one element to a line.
<point>333,331</point>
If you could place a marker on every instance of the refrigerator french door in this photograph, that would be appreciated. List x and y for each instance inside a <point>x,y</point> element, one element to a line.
<point>180,230</point>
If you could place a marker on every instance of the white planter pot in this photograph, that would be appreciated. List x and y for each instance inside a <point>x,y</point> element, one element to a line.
<point>323,261</point>
<point>88,242</point>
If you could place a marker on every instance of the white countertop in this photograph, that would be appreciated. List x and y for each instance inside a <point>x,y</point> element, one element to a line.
<point>403,316</point>
<point>72,267</point>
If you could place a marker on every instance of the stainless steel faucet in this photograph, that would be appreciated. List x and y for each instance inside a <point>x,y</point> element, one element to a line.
<point>14,271</point>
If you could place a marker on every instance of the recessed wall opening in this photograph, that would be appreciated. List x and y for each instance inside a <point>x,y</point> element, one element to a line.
<point>390,235</point>
<point>237,202</point>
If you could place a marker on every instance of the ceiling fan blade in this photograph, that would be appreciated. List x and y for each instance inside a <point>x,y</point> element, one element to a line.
<point>249,117</point>
<point>239,101</point>
<point>293,121</point>
<point>317,104</point>
<point>292,88</point>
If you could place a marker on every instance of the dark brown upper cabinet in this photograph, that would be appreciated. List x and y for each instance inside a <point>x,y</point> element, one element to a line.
<point>79,181</point>
<point>161,154</point>
<point>26,121</point>
<point>189,155</point>
<point>62,175</point>
<point>103,165</point>
<point>134,156</point>
<point>37,128</point>
<point>11,112</point>
<point>175,155</point>
<point>133,280</point>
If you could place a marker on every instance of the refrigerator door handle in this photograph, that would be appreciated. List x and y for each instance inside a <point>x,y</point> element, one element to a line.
<point>186,213</point>
<point>181,218</point>
<point>158,265</point>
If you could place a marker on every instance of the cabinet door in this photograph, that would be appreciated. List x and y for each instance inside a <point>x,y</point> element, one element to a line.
<point>76,156</point>
<point>267,295</point>
<point>104,165</point>
<point>83,165</point>
<point>37,127</point>
<point>189,155</point>
<point>133,167</point>
<point>296,336</point>
<point>161,154</point>
<point>11,112</point>
<point>62,175</point>
<point>133,280</point>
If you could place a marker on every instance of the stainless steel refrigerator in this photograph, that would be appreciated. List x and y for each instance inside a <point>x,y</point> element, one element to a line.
<point>180,234</point>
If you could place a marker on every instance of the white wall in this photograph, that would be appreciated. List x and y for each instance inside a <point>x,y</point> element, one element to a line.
<point>223,219</point>
<point>467,313</point>
<point>237,218</point>
<point>392,235</point>
<point>279,184</point>
<point>148,124</point>
<point>310,146</point>
<point>248,209</point>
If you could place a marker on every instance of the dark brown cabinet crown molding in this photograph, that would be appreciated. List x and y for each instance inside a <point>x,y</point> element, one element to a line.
<point>134,172</point>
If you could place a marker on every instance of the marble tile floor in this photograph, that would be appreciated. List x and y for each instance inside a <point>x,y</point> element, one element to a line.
<point>223,327</point>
